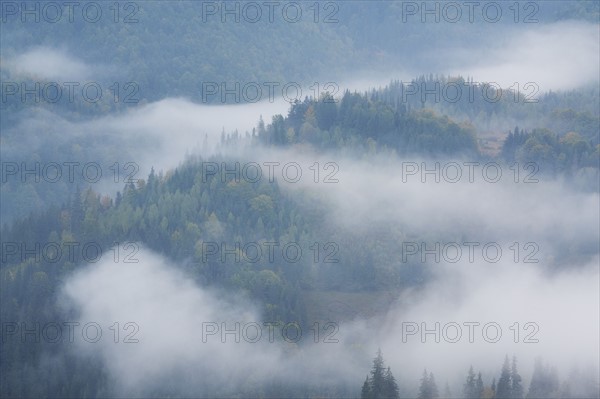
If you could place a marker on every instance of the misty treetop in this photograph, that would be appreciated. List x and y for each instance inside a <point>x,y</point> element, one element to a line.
<point>381,384</point>
<point>560,134</point>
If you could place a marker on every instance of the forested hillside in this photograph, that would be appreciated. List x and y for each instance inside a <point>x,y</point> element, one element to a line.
<point>407,182</point>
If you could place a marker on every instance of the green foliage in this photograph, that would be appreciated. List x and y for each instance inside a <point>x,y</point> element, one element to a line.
<point>552,154</point>
<point>361,122</point>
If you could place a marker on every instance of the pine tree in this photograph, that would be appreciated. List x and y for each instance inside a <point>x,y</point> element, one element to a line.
<point>390,389</point>
<point>377,376</point>
<point>381,382</point>
<point>424,391</point>
<point>118,199</point>
<point>536,386</point>
<point>503,389</point>
<point>469,387</point>
<point>479,386</point>
<point>516,386</point>
<point>366,389</point>
<point>433,387</point>
<point>428,388</point>
<point>261,128</point>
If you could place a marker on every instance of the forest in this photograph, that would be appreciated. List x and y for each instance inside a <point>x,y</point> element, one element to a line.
<point>164,240</point>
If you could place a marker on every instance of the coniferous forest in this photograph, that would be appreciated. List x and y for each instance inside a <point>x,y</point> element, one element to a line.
<point>330,199</point>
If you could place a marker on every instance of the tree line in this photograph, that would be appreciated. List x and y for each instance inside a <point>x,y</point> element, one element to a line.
<point>381,384</point>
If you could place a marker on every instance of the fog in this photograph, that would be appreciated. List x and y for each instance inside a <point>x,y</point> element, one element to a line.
<point>158,135</point>
<point>170,309</point>
<point>474,199</point>
<point>571,48</point>
<point>165,131</point>
<point>504,56</point>
<point>557,287</point>
<point>508,56</point>
<point>559,292</point>
<point>559,299</point>
<point>563,306</point>
<point>48,63</point>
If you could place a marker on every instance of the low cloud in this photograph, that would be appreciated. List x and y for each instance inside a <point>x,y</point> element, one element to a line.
<point>558,56</point>
<point>170,309</point>
<point>52,64</point>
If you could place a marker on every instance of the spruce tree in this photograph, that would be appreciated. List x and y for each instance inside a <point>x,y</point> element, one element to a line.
<point>428,388</point>
<point>381,382</point>
<point>516,386</point>
<point>366,389</point>
<point>424,390</point>
<point>390,389</point>
<point>536,386</point>
<point>433,387</point>
<point>377,376</point>
<point>469,387</point>
<point>503,389</point>
<point>479,386</point>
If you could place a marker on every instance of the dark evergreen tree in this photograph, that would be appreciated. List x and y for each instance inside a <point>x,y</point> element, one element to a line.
<point>118,199</point>
<point>381,384</point>
<point>261,127</point>
<point>479,386</point>
<point>365,393</point>
<point>469,389</point>
<point>326,111</point>
<point>516,386</point>
<point>377,376</point>
<point>390,390</point>
<point>504,387</point>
